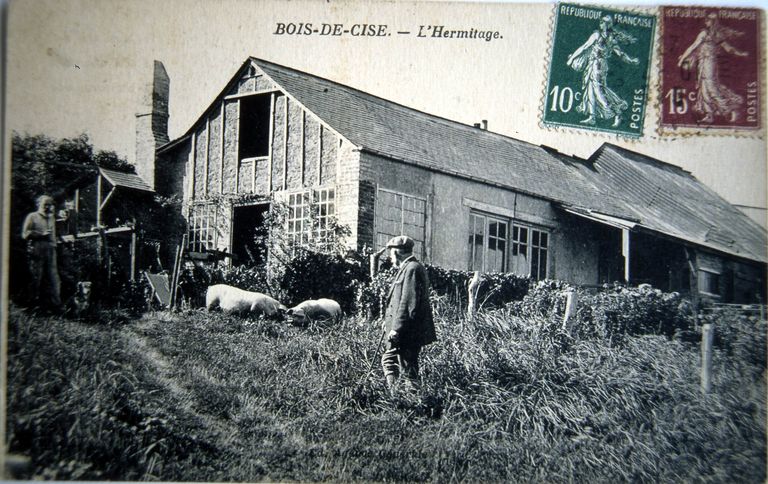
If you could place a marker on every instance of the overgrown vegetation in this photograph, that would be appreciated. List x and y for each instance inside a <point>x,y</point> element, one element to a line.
<point>506,396</point>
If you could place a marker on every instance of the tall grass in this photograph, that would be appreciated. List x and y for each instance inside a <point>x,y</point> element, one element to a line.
<point>505,397</point>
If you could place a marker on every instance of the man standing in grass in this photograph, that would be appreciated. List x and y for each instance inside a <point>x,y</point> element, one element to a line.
<point>39,230</point>
<point>408,323</point>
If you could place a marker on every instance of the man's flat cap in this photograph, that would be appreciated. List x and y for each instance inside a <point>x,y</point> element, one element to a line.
<point>400,242</point>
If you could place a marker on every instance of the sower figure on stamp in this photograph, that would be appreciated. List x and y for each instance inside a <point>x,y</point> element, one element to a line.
<point>598,100</point>
<point>713,98</point>
<point>39,230</point>
<point>408,323</point>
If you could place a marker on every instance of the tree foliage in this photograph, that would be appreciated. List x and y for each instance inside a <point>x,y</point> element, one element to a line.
<point>57,167</point>
<point>41,164</point>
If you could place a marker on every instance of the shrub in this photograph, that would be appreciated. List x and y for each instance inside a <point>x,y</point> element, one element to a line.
<point>134,296</point>
<point>495,290</point>
<point>248,278</point>
<point>612,312</point>
<point>313,275</point>
<point>370,295</point>
<point>618,310</point>
<point>740,338</point>
<point>447,285</point>
<point>545,299</point>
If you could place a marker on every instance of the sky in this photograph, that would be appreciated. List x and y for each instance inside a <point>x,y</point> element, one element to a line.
<point>80,66</point>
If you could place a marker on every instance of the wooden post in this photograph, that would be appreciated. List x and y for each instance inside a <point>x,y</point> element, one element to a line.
<point>474,286</point>
<point>107,258</point>
<point>133,253</point>
<point>571,305</point>
<point>707,333</point>
<point>98,201</point>
<point>286,133</point>
<point>222,117</point>
<point>625,251</point>
<point>373,265</point>
<point>172,282</point>
<point>206,158</point>
<point>177,274</point>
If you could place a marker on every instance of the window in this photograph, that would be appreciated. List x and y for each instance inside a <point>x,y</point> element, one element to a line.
<point>489,236</point>
<point>709,282</point>
<point>539,250</point>
<point>303,225</point>
<point>476,242</point>
<point>519,259</point>
<point>299,229</point>
<point>490,256</point>
<point>325,199</point>
<point>254,126</point>
<point>202,231</point>
<point>400,214</point>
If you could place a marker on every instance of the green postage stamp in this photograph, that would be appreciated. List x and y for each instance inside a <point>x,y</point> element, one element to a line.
<point>598,70</point>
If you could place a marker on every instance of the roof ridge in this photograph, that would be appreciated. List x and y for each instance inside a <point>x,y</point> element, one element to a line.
<point>388,103</point>
<point>632,153</point>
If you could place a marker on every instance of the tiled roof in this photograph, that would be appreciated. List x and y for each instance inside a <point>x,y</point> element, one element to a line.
<point>128,180</point>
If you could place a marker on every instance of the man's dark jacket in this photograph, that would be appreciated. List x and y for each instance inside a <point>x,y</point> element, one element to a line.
<point>408,309</point>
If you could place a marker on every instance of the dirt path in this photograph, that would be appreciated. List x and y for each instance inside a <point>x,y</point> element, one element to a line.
<point>220,429</point>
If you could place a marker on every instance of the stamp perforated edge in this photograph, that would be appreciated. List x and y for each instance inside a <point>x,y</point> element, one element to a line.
<point>666,132</point>
<point>650,92</point>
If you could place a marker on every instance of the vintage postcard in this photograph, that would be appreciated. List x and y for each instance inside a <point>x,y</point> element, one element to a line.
<point>388,241</point>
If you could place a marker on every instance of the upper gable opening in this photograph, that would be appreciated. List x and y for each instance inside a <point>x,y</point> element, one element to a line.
<point>255,115</point>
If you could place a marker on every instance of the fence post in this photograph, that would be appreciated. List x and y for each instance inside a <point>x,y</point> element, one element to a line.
<point>474,286</point>
<point>373,264</point>
<point>571,305</point>
<point>707,333</point>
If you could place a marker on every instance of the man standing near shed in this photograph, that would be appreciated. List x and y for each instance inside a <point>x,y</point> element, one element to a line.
<point>39,230</point>
<point>408,323</point>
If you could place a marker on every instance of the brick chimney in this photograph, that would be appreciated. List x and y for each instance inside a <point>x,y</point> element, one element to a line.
<point>152,122</point>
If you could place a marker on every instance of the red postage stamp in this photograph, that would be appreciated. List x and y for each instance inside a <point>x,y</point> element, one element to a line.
<point>710,64</point>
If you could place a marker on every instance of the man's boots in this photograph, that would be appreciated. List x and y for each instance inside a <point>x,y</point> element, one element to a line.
<point>391,383</point>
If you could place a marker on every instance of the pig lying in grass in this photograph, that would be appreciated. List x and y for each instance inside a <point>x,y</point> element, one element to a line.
<point>246,303</point>
<point>320,310</point>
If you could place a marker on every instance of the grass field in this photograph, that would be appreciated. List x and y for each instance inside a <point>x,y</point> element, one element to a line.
<point>193,396</point>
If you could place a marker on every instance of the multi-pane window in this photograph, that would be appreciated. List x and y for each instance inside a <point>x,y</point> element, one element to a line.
<point>400,214</point>
<point>299,225</point>
<point>493,247</point>
<point>519,259</point>
<point>202,231</point>
<point>488,243</point>
<point>325,201</point>
<point>539,251</point>
<point>302,227</point>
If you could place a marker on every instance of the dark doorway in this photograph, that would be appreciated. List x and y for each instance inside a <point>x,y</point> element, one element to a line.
<point>246,222</point>
<point>659,262</point>
<point>610,266</point>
